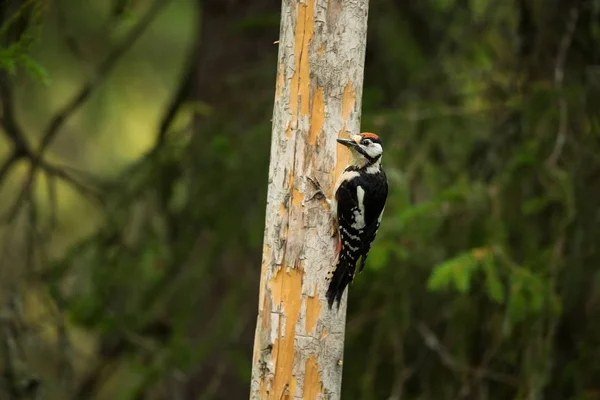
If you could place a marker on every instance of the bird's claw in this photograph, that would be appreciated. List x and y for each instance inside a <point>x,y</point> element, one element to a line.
<point>319,191</point>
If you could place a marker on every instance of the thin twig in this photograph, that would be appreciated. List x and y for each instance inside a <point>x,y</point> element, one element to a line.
<point>182,94</point>
<point>559,77</point>
<point>12,129</point>
<point>185,84</point>
<point>22,149</point>
<point>433,343</point>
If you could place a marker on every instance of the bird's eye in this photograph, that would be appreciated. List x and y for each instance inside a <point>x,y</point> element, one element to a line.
<point>366,142</point>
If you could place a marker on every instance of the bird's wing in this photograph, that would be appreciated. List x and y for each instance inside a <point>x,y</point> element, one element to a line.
<point>367,239</point>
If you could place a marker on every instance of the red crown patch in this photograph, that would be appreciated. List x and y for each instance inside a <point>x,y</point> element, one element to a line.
<point>369,135</point>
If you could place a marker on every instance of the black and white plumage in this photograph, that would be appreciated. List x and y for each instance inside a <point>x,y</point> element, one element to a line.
<point>357,207</point>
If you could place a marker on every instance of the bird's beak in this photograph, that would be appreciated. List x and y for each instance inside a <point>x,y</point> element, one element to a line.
<point>347,142</point>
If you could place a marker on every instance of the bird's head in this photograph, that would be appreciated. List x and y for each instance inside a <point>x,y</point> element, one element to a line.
<point>366,148</point>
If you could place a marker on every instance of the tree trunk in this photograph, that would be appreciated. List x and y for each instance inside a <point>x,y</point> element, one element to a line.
<point>298,348</point>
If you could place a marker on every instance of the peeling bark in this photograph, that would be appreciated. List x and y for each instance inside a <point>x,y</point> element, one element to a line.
<point>299,342</point>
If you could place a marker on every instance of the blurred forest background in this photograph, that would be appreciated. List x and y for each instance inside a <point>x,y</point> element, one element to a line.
<point>134,152</point>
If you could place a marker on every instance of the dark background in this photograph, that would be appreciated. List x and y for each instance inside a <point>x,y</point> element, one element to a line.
<point>134,154</point>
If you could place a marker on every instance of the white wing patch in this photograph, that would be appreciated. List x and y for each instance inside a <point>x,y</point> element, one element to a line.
<point>359,213</point>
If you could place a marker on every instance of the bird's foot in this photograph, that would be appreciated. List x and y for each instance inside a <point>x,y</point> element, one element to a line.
<point>319,192</point>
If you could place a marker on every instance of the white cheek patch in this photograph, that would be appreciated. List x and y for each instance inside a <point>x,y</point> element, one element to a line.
<point>374,150</point>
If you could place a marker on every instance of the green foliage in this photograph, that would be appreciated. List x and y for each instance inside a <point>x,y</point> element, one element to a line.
<point>525,293</point>
<point>14,51</point>
<point>15,56</point>
<point>458,271</point>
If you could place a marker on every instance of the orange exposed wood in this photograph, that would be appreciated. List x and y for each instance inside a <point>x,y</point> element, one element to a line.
<point>297,197</point>
<point>308,31</point>
<point>313,386</point>
<point>348,101</point>
<point>280,81</point>
<point>317,116</point>
<point>300,85</point>
<point>263,389</point>
<point>323,333</point>
<point>286,289</point>
<point>313,311</point>
<point>264,306</point>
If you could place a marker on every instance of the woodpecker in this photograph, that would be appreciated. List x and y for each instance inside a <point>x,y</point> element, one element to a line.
<point>357,207</point>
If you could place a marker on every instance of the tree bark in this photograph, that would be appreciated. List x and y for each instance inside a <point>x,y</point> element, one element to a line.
<point>299,342</point>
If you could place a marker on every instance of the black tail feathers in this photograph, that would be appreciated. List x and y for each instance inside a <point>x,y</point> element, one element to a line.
<point>342,276</point>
